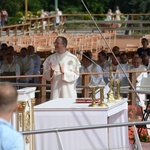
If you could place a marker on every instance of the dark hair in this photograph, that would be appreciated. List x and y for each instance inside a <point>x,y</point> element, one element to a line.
<point>10,47</point>
<point>87,55</point>
<point>124,54</point>
<point>145,39</point>
<point>103,53</point>
<point>64,40</point>
<point>23,49</point>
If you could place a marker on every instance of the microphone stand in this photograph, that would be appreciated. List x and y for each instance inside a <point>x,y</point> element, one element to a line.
<point>109,48</point>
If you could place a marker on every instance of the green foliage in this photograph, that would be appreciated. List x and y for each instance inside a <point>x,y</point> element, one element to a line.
<point>19,14</point>
<point>38,13</point>
<point>75,6</point>
<point>86,17</point>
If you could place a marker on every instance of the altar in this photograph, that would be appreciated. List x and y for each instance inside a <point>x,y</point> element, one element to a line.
<point>61,112</point>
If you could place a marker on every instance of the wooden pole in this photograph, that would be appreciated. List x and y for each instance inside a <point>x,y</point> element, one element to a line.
<point>26,9</point>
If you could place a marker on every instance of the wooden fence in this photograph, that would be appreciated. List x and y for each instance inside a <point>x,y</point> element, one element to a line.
<point>72,21</point>
<point>42,86</point>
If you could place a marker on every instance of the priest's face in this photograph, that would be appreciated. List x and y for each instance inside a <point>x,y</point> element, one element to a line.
<point>59,46</point>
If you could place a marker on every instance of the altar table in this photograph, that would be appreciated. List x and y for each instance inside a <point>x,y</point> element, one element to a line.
<point>67,113</point>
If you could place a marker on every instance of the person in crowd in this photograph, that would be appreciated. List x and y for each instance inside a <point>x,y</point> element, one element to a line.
<point>146,61</point>
<point>104,63</point>
<point>37,62</point>
<point>144,49</point>
<point>115,65</point>
<point>124,62</point>
<point>89,66</point>
<point>4,17</point>
<point>117,15</point>
<point>11,50</point>
<point>128,32</point>
<point>109,15</point>
<point>58,14</point>
<point>137,66</point>
<point>103,60</point>
<point>10,68</point>
<point>43,15</point>
<point>4,45</point>
<point>62,70</point>
<point>10,139</point>
<point>26,65</point>
<point>115,50</point>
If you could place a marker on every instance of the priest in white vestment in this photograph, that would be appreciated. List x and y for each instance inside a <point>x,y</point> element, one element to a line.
<point>62,69</point>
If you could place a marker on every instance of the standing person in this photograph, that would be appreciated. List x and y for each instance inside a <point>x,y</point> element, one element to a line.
<point>128,32</point>
<point>10,139</point>
<point>109,15</point>
<point>62,69</point>
<point>4,17</point>
<point>58,14</point>
<point>118,13</point>
<point>43,15</point>
<point>145,48</point>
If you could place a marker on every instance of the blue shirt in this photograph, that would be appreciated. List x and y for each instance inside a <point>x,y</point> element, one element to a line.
<point>10,139</point>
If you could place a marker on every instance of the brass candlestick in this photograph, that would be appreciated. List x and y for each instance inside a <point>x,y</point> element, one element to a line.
<point>110,94</point>
<point>93,104</point>
<point>101,101</point>
<point>118,97</point>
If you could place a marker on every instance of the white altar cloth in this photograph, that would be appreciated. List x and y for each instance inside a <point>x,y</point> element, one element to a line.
<point>67,113</point>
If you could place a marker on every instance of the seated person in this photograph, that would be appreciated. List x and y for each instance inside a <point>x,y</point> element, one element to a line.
<point>10,49</point>
<point>124,61</point>
<point>144,49</point>
<point>102,60</point>
<point>10,68</point>
<point>88,66</point>
<point>26,65</point>
<point>115,50</point>
<point>37,62</point>
<point>137,66</point>
<point>146,61</point>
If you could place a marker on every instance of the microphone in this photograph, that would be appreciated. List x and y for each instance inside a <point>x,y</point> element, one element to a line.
<point>80,53</point>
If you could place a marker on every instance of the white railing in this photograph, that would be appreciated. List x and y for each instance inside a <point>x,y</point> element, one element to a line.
<point>137,144</point>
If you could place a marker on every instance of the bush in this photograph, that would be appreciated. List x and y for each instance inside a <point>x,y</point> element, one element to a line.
<point>19,14</point>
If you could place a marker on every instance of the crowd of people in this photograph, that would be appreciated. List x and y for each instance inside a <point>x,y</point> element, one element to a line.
<point>26,63</point>
<point>63,70</point>
<point>139,62</point>
<point>57,13</point>
<point>113,16</point>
